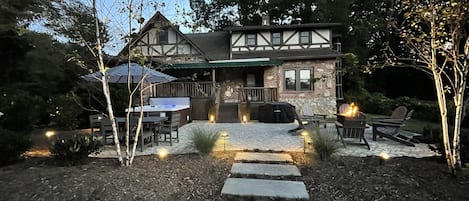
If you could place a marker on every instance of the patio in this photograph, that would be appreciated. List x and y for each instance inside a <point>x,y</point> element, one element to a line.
<point>265,136</point>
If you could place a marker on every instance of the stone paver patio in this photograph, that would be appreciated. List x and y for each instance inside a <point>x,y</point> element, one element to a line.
<point>266,136</point>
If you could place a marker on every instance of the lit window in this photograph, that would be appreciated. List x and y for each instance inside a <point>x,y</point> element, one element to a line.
<point>276,38</point>
<point>251,39</point>
<point>304,37</point>
<point>304,80</point>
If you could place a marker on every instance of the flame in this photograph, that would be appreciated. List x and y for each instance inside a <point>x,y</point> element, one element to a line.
<point>351,111</point>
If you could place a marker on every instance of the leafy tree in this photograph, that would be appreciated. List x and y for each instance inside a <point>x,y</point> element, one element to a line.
<point>434,38</point>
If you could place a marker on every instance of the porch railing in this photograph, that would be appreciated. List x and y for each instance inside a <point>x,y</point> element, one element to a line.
<point>176,89</point>
<point>258,94</point>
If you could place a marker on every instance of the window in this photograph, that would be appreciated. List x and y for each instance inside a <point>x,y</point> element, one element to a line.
<point>276,38</point>
<point>163,36</point>
<point>304,78</point>
<point>251,39</point>
<point>290,82</point>
<point>304,37</point>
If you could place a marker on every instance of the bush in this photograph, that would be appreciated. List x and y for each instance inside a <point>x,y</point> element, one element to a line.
<point>66,112</point>
<point>325,145</point>
<point>12,145</point>
<point>75,150</point>
<point>203,140</point>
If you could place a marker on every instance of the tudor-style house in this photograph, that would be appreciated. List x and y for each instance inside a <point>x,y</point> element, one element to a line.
<point>267,63</point>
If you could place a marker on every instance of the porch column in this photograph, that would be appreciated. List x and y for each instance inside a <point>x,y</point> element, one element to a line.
<point>213,76</point>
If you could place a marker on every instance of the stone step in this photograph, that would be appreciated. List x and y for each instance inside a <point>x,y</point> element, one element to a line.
<point>263,157</point>
<point>263,188</point>
<point>265,170</point>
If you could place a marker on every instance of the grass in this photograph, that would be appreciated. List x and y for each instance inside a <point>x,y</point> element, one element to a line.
<point>324,144</point>
<point>203,140</point>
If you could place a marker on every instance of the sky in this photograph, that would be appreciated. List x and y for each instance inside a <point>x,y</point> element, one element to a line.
<point>111,12</point>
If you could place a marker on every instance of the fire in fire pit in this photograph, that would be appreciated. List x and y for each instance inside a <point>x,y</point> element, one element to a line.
<point>349,114</point>
<point>351,111</point>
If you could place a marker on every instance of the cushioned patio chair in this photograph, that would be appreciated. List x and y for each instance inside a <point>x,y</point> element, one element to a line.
<point>309,116</point>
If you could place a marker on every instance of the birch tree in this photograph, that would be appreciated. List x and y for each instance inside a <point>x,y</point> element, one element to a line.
<point>133,12</point>
<point>434,34</point>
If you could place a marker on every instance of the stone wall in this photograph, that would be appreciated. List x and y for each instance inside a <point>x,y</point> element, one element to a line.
<point>322,99</point>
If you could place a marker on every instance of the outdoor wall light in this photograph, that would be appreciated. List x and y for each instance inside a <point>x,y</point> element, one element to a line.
<point>162,153</point>
<point>224,134</point>
<point>49,134</point>
<point>383,156</point>
<point>304,134</point>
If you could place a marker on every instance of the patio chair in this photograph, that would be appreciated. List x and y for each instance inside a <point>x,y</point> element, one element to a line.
<point>391,130</point>
<point>309,116</point>
<point>106,130</point>
<point>167,128</point>
<point>95,122</point>
<point>398,115</point>
<point>353,128</point>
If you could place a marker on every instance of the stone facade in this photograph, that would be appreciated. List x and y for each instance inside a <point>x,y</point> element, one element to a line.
<point>322,99</point>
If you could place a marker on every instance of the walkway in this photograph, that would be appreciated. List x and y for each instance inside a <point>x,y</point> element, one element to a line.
<point>266,136</point>
<point>264,175</point>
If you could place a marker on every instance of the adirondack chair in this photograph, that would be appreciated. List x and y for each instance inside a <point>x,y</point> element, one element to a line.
<point>391,130</point>
<point>344,107</point>
<point>309,116</point>
<point>352,128</point>
<point>397,116</point>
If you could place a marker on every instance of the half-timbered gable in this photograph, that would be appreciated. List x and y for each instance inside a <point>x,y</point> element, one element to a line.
<point>160,39</point>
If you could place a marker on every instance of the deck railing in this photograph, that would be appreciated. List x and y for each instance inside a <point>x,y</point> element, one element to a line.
<point>258,94</point>
<point>178,89</point>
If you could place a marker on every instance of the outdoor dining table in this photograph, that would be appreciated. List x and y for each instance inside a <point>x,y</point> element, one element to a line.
<point>146,121</point>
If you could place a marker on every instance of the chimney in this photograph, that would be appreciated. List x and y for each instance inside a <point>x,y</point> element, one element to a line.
<point>265,20</point>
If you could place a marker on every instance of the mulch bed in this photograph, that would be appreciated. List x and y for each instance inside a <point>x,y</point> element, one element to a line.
<point>191,177</point>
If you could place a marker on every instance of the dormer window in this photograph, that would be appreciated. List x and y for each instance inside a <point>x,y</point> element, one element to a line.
<point>305,37</point>
<point>276,38</point>
<point>251,39</point>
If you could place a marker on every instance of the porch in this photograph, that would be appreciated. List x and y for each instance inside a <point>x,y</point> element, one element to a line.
<point>207,89</point>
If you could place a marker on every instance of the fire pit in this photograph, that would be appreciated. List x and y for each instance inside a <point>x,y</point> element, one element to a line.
<point>351,124</point>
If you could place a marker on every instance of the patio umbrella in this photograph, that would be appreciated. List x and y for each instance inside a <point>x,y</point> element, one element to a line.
<point>118,74</point>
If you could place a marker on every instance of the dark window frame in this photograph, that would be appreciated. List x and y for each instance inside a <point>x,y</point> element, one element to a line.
<point>300,37</point>
<point>280,38</point>
<point>164,33</point>
<point>247,39</point>
<point>297,79</point>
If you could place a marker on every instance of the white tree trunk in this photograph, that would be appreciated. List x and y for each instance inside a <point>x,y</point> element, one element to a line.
<point>105,85</point>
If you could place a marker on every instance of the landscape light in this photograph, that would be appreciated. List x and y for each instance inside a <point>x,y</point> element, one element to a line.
<point>304,134</point>
<point>49,134</point>
<point>224,134</point>
<point>383,156</point>
<point>162,153</point>
<point>212,118</point>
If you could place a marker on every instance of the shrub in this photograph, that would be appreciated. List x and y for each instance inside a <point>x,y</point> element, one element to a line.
<point>66,112</point>
<point>76,149</point>
<point>203,140</point>
<point>325,145</point>
<point>12,145</point>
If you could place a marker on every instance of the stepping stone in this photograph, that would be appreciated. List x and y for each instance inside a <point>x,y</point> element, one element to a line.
<point>259,169</point>
<point>263,157</point>
<point>263,188</point>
